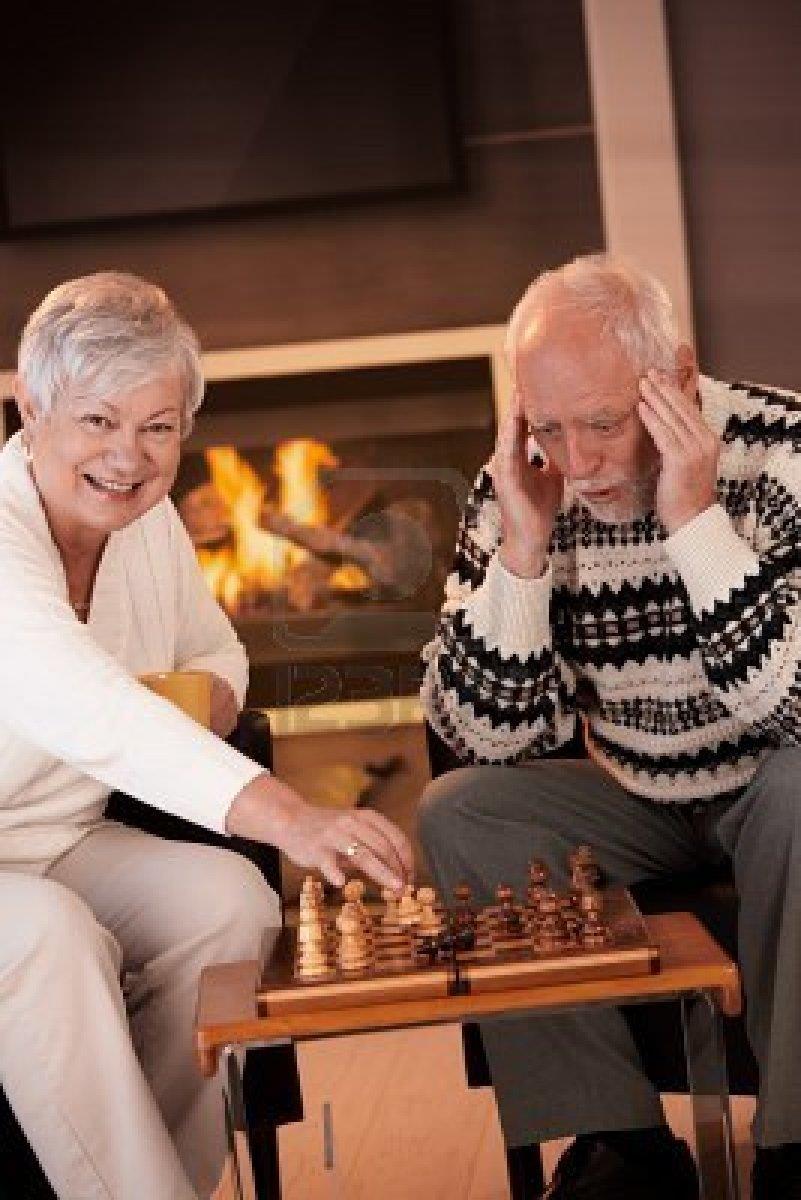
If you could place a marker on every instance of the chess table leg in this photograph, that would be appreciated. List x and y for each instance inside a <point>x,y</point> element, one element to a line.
<point>709,1090</point>
<point>236,1124</point>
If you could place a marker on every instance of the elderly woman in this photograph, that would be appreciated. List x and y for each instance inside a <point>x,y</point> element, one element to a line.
<point>99,584</point>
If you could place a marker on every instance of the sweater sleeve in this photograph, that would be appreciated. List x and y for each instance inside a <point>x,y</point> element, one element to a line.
<point>63,693</point>
<point>744,590</point>
<point>205,638</point>
<point>494,689</point>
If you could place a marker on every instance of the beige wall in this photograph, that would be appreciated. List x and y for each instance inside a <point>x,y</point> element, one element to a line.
<point>737,89</point>
<point>638,165</point>
<point>529,199</point>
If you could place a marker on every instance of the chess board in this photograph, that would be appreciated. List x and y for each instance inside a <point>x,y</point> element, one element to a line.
<point>401,970</point>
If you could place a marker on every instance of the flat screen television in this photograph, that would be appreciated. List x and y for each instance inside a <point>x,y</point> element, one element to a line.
<point>114,110</point>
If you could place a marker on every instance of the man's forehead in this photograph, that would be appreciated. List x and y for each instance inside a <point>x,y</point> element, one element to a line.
<point>594,407</point>
<point>571,366</point>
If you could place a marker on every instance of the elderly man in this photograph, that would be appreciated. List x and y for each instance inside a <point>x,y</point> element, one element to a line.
<point>641,568</point>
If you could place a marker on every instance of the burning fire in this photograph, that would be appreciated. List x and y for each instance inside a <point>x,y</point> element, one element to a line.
<point>258,560</point>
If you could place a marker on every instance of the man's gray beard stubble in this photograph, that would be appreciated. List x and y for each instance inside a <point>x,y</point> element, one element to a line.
<point>636,501</point>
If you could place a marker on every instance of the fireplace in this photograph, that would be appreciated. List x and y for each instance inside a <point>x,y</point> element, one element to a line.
<point>322,487</point>
<point>324,503</point>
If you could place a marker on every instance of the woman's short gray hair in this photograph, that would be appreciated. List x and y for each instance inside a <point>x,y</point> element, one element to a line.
<point>104,334</point>
<point>631,305</point>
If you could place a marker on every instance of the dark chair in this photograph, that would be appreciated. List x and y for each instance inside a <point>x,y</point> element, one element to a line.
<point>272,1086</point>
<point>656,1028</point>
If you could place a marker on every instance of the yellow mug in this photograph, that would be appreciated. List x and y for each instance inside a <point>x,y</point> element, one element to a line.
<point>188,690</point>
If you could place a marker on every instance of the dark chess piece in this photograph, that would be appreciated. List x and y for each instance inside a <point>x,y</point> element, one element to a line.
<point>572,917</point>
<point>549,903</point>
<point>463,919</point>
<point>551,934</point>
<point>462,937</point>
<point>584,870</point>
<point>428,946</point>
<point>510,918</point>
<point>550,928</point>
<point>464,915</point>
<point>594,933</point>
<point>591,902</point>
<point>537,882</point>
<point>513,925</point>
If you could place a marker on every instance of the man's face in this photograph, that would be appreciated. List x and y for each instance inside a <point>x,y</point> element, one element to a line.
<point>580,394</point>
<point>100,464</point>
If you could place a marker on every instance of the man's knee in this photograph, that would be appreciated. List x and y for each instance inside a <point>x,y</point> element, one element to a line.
<point>447,800</point>
<point>779,782</point>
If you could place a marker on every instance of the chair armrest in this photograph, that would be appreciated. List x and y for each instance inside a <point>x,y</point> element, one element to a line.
<point>251,737</point>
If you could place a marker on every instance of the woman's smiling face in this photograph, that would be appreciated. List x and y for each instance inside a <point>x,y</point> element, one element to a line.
<point>100,464</point>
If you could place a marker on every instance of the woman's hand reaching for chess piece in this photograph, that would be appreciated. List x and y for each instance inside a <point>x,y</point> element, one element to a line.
<point>331,842</point>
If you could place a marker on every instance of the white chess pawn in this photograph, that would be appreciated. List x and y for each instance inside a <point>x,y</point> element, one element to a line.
<point>354,890</point>
<point>430,921</point>
<point>408,908</point>
<point>312,951</point>
<point>308,891</point>
<point>353,951</point>
<point>390,898</point>
<point>353,893</point>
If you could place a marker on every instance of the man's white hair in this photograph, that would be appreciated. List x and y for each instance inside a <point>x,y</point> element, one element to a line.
<point>632,306</point>
<point>103,334</point>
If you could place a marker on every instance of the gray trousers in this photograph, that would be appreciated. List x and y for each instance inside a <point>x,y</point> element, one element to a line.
<point>104,1080</point>
<point>578,1073</point>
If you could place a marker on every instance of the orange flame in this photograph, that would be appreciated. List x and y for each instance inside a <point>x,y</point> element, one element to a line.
<point>258,560</point>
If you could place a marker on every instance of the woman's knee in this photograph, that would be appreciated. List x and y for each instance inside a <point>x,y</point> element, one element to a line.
<point>240,899</point>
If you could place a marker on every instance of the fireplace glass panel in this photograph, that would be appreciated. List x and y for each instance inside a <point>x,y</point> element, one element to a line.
<point>324,509</point>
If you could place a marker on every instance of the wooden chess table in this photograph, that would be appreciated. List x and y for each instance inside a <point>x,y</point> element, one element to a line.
<point>240,1007</point>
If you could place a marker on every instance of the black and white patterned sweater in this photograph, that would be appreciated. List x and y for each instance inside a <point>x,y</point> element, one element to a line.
<point>689,646</point>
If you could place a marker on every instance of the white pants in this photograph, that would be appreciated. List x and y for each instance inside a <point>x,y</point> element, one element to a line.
<point>105,1085</point>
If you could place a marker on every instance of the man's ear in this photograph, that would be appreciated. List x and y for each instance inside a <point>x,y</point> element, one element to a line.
<point>687,371</point>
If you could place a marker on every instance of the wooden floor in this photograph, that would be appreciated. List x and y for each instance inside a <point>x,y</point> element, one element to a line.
<point>405,1124</point>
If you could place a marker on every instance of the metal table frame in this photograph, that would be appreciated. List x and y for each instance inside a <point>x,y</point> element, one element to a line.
<point>706,1071</point>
